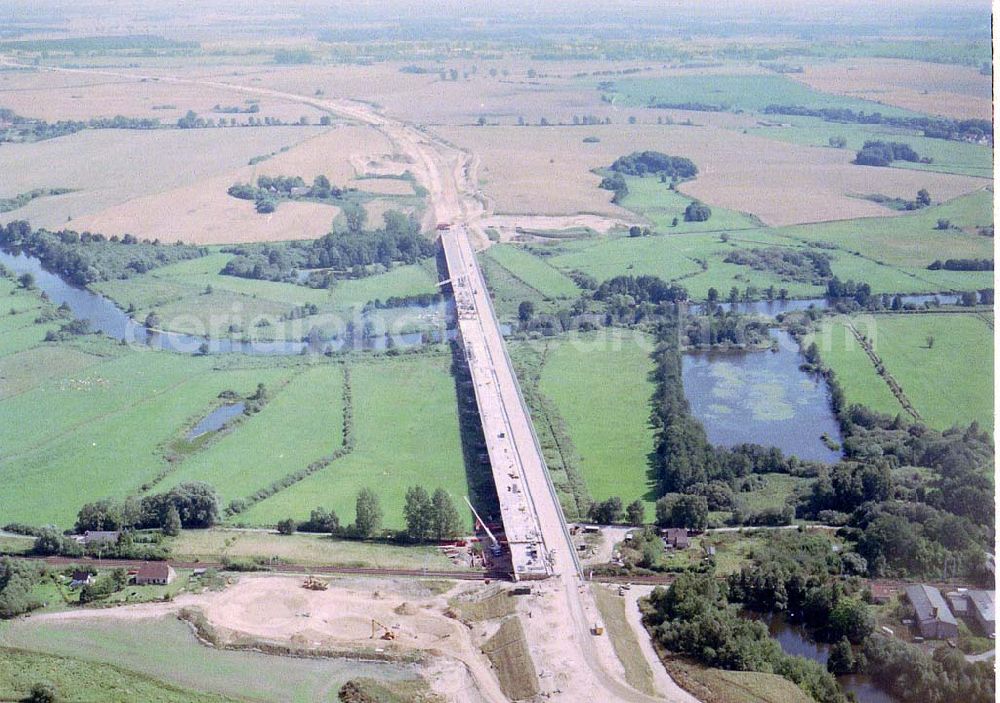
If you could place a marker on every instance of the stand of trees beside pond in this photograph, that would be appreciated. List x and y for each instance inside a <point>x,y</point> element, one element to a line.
<point>800,574</point>
<point>345,254</point>
<point>84,258</point>
<point>695,618</point>
<point>941,525</point>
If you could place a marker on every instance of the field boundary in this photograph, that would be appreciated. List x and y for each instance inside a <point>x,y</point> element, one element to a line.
<point>880,369</point>
<point>240,505</point>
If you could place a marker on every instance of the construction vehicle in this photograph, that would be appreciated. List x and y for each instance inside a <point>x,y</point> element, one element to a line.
<point>387,633</point>
<point>495,548</point>
<point>597,629</point>
<point>314,584</point>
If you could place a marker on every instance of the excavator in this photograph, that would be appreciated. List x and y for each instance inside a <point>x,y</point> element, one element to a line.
<point>387,633</point>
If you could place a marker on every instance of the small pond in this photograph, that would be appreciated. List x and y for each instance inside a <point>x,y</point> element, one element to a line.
<point>762,397</point>
<point>216,419</point>
<point>794,639</point>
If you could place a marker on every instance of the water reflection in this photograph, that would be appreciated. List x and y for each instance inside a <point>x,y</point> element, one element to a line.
<point>377,329</point>
<point>762,397</point>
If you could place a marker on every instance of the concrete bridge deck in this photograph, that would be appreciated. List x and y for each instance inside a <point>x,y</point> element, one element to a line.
<point>513,452</point>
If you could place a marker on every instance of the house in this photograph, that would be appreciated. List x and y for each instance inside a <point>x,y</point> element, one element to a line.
<point>299,191</point>
<point>959,602</point>
<point>933,616</point>
<point>676,538</point>
<point>155,573</point>
<point>100,537</point>
<point>883,591</point>
<point>982,605</point>
<point>81,578</point>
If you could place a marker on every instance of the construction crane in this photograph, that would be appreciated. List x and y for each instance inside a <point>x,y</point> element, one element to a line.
<point>495,549</point>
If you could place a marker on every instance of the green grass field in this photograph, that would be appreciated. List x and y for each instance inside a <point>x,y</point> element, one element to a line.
<point>910,241</point>
<point>86,681</point>
<point>407,433</point>
<point>774,495</point>
<point>948,156</point>
<point>890,253</point>
<point>192,297</point>
<point>300,548</point>
<point>599,384</point>
<point>949,383</point>
<point>660,205</point>
<point>738,92</point>
<point>18,330</point>
<point>533,271</point>
<point>300,424</point>
<point>98,432</point>
<point>721,686</point>
<point>855,373</point>
<point>166,650</point>
<point>695,261</point>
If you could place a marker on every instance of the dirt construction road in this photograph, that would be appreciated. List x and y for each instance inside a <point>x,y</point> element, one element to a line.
<point>574,664</point>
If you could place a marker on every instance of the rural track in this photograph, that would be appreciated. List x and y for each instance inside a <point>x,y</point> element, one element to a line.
<point>278,568</point>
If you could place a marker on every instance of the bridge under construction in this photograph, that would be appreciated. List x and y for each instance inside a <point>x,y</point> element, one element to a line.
<point>532,518</point>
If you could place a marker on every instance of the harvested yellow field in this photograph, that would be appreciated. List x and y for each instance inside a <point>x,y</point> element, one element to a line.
<point>71,96</point>
<point>133,164</point>
<point>938,89</point>
<point>561,91</point>
<point>204,213</point>
<point>547,171</point>
<point>340,154</point>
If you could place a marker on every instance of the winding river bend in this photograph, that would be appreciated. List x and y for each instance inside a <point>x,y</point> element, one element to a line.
<point>107,318</point>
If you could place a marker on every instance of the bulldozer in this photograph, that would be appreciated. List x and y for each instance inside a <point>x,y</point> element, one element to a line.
<point>387,633</point>
<point>314,584</point>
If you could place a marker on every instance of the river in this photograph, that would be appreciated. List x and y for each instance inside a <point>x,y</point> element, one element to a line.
<point>107,318</point>
<point>773,308</point>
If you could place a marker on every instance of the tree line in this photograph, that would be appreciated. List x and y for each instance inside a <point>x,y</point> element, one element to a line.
<point>962,265</point>
<point>934,127</point>
<point>350,252</point>
<point>429,517</point>
<point>25,129</point>
<point>84,258</point>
